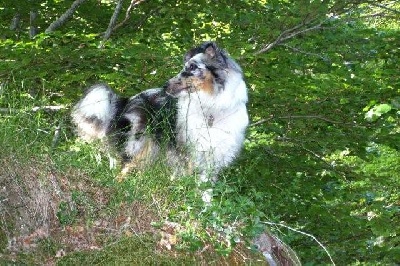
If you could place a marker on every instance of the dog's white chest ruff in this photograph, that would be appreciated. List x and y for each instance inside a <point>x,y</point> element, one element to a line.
<point>213,132</point>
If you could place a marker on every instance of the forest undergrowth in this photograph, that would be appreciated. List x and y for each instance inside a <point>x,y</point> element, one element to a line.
<point>320,168</point>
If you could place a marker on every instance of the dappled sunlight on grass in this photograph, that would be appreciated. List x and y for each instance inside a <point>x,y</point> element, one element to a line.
<point>321,155</point>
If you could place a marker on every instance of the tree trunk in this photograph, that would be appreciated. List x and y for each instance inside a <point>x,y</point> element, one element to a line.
<point>32,27</point>
<point>15,23</point>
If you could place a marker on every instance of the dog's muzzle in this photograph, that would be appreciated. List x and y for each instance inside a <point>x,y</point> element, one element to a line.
<point>176,85</point>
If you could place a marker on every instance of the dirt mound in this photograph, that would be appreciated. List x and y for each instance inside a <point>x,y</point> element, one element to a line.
<point>38,203</point>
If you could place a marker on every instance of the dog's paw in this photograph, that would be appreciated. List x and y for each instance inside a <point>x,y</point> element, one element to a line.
<point>121,177</point>
<point>207,196</point>
<point>123,174</point>
<point>112,162</point>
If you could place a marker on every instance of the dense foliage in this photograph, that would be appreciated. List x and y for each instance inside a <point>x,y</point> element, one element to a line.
<point>322,154</point>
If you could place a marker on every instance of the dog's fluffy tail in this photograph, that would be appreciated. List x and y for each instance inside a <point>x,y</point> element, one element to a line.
<point>94,114</point>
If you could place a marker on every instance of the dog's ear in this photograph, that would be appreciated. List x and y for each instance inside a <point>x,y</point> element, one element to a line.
<point>188,55</point>
<point>211,49</point>
<point>192,53</point>
<point>215,53</point>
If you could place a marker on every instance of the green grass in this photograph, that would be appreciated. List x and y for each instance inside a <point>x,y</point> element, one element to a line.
<point>255,189</point>
<point>85,194</point>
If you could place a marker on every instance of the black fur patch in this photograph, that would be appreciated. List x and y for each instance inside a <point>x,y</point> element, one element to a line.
<point>218,75</point>
<point>186,74</point>
<point>162,112</point>
<point>156,112</point>
<point>94,120</point>
<point>121,125</point>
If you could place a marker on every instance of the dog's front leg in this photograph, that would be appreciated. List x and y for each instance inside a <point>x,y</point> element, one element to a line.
<point>207,177</point>
<point>126,169</point>
<point>207,196</point>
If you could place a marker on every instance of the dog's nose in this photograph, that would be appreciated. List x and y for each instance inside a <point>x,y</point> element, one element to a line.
<point>173,86</point>
<point>169,87</point>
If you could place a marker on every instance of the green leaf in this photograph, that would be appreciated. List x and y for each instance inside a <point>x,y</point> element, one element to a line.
<point>377,111</point>
<point>383,108</point>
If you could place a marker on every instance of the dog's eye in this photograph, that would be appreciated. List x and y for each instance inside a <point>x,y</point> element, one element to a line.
<point>192,67</point>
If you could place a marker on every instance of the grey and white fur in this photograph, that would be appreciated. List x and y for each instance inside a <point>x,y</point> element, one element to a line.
<point>198,119</point>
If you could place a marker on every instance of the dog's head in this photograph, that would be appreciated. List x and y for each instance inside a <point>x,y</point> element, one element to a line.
<point>206,68</point>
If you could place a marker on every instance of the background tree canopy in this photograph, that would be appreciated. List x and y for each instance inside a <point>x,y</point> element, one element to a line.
<point>322,154</point>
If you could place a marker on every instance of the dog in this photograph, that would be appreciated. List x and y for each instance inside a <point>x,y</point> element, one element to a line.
<point>197,120</point>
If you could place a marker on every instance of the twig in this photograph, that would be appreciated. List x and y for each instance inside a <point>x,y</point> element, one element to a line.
<point>325,59</point>
<point>51,108</point>
<point>306,234</point>
<point>288,34</point>
<point>299,117</point>
<point>305,26</point>
<point>278,39</point>
<point>48,108</point>
<point>56,136</point>
<point>379,15</point>
<point>385,7</point>
<point>133,4</point>
<point>142,21</point>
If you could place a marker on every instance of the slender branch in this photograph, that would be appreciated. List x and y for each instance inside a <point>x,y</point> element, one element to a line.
<point>319,157</point>
<point>300,117</point>
<point>306,53</point>
<point>143,20</point>
<point>306,234</point>
<point>133,4</point>
<point>379,15</point>
<point>278,39</point>
<point>386,8</point>
<point>303,27</point>
<point>294,34</point>
<point>56,136</point>
<point>64,17</point>
<point>113,21</point>
<point>50,108</point>
<point>288,34</point>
